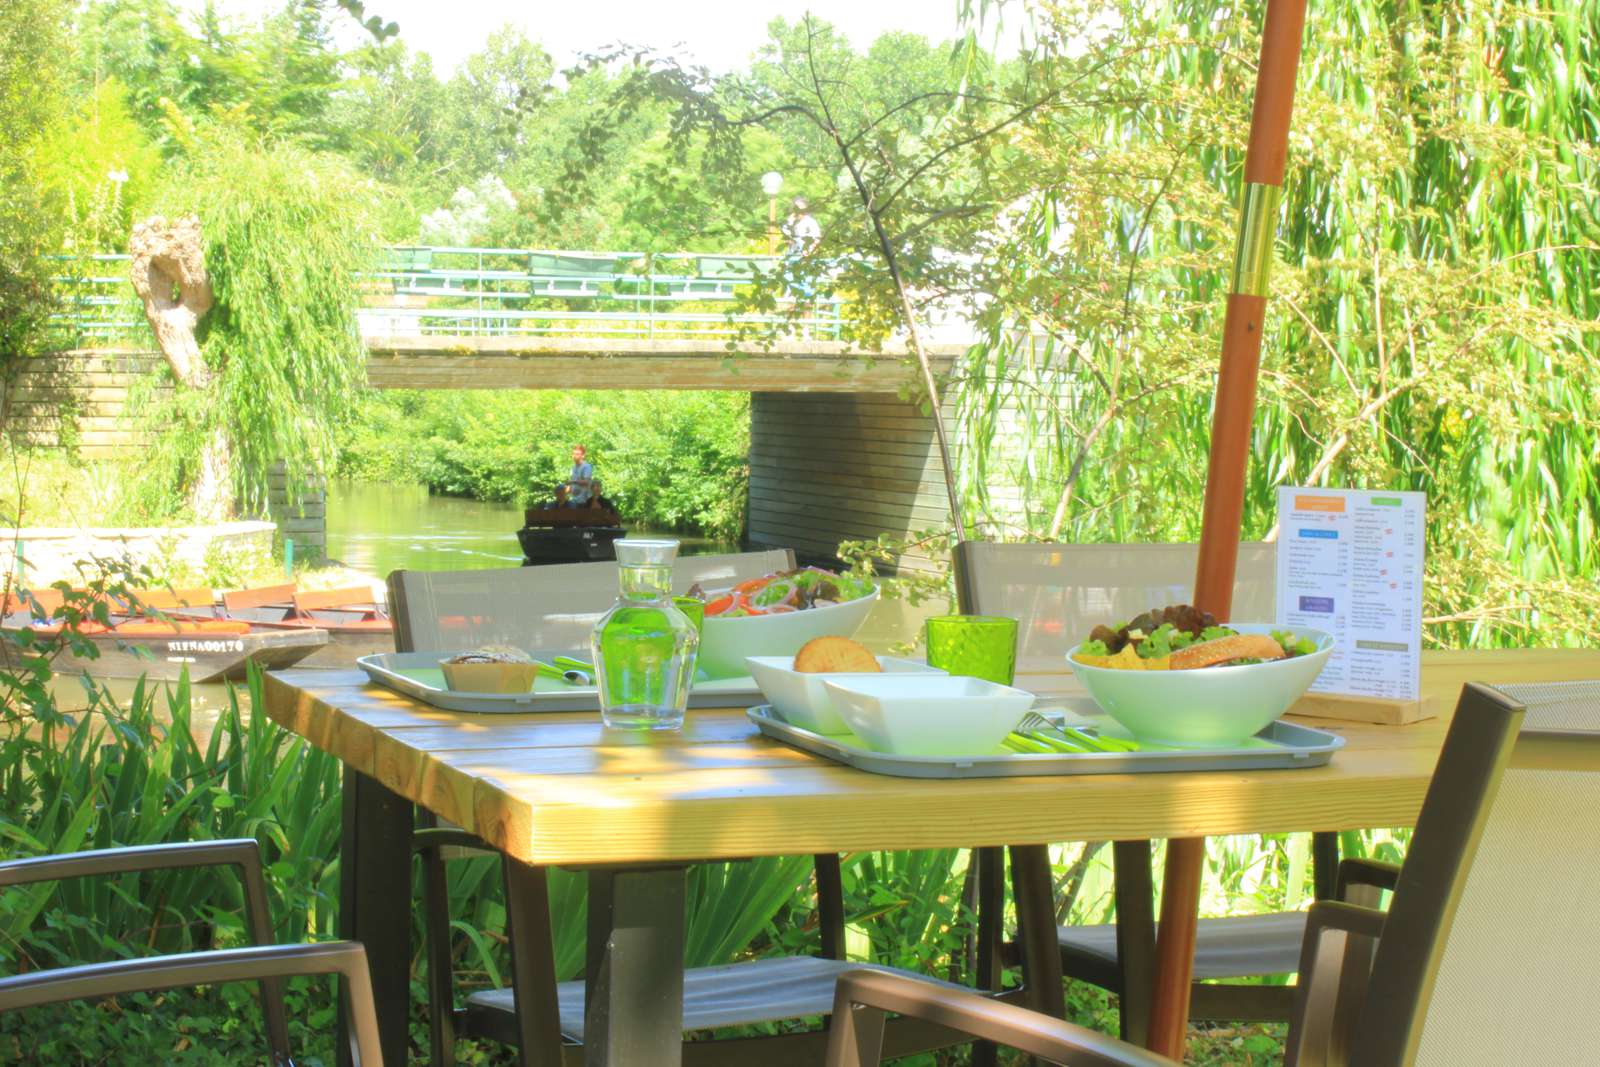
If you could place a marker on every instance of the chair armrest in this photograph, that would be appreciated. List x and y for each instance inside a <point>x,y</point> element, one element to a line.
<point>1371,873</point>
<point>258,963</point>
<point>1336,915</point>
<point>428,838</point>
<point>862,999</point>
<point>1335,969</point>
<point>242,853</point>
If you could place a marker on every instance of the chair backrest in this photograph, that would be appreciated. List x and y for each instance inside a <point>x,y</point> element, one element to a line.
<point>1058,593</point>
<point>1488,954</point>
<point>551,607</point>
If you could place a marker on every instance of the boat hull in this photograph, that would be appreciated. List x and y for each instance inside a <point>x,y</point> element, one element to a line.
<point>207,657</point>
<point>574,544</point>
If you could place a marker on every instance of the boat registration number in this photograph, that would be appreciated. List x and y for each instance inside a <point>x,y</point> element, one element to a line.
<point>211,645</point>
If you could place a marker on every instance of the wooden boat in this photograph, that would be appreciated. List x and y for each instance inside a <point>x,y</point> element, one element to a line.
<point>570,535</point>
<point>161,649</point>
<point>355,624</point>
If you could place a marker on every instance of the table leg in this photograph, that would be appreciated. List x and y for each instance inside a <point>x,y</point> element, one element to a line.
<point>990,864</point>
<point>633,1013</point>
<point>375,905</point>
<point>1034,894</point>
<point>1180,918</point>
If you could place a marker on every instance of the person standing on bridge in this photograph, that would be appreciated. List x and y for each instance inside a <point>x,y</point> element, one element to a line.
<point>804,234</point>
<point>578,489</point>
<point>802,230</point>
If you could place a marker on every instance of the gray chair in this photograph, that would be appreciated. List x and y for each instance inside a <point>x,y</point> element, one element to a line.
<point>554,608</point>
<point>1058,593</point>
<point>1485,956</point>
<point>261,962</point>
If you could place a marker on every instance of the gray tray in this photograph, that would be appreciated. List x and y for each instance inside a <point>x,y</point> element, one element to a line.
<point>417,675</point>
<point>1280,745</point>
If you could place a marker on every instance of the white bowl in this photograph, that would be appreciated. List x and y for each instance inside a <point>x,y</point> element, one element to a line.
<point>928,714</point>
<point>804,701</point>
<point>726,643</point>
<point>1215,707</point>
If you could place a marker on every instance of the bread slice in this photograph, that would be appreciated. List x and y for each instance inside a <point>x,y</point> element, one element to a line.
<point>835,655</point>
<point>1223,650</point>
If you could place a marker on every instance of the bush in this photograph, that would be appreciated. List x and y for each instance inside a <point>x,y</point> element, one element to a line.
<point>673,461</point>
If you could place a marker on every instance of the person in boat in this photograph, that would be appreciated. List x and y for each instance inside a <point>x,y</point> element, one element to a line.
<point>578,490</point>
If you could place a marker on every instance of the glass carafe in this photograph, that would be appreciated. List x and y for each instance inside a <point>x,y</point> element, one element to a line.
<point>644,647</point>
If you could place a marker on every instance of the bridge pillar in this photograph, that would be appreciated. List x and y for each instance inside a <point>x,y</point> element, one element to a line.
<point>305,522</point>
<point>831,467</point>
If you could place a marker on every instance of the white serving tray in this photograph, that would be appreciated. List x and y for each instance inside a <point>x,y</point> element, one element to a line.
<point>1281,745</point>
<point>417,675</point>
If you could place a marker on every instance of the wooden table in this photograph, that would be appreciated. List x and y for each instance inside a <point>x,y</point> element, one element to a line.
<point>559,789</point>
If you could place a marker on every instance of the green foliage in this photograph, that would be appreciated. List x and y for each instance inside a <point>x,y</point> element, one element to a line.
<point>674,461</point>
<point>285,232</point>
<point>32,38</point>
<point>1429,326</point>
<point>102,167</point>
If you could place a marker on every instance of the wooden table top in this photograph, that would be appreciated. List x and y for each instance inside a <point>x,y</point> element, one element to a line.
<point>560,789</point>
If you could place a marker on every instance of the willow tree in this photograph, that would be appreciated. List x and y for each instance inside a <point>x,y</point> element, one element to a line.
<point>284,233</point>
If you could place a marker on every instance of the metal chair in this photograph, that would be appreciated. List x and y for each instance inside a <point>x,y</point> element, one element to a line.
<point>1491,919</point>
<point>262,962</point>
<point>554,607</point>
<point>1058,593</point>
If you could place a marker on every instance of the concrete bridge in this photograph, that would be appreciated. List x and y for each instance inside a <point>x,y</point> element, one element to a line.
<point>492,318</point>
<point>849,461</point>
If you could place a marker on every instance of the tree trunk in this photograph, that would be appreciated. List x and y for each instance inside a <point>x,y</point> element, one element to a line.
<point>212,492</point>
<point>169,274</point>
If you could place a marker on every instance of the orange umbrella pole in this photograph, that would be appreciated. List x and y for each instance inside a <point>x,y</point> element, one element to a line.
<point>1230,455</point>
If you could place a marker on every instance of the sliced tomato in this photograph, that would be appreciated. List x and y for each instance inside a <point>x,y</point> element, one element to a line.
<point>781,609</point>
<point>719,605</point>
<point>751,586</point>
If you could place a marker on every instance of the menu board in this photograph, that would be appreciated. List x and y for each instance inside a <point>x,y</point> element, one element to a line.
<point>1350,563</point>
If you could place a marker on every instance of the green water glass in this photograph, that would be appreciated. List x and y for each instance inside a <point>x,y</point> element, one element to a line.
<point>974,646</point>
<point>693,607</point>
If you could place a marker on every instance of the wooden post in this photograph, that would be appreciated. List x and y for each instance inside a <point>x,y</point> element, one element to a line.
<point>1230,455</point>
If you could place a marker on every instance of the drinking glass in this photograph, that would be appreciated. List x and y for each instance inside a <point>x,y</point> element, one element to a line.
<point>975,646</point>
<point>694,608</point>
<point>644,647</point>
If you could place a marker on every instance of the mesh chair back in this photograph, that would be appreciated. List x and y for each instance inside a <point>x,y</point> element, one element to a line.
<point>1058,593</point>
<point>548,608</point>
<point>1488,952</point>
<point>1516,978</point>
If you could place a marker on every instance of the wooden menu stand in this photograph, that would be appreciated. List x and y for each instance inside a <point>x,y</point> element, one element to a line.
<point>1366,709</point>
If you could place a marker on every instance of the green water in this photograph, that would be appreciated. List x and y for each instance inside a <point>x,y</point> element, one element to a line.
<point>382,528</point>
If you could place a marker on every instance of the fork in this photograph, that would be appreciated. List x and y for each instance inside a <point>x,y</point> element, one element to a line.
<point>1034,722</point>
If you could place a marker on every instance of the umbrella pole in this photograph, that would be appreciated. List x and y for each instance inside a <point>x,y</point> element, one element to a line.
<point>1230,455</point>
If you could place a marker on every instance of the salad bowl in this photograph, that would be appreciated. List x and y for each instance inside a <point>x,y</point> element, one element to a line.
<point>1212,707</point>
<point>776,615</point>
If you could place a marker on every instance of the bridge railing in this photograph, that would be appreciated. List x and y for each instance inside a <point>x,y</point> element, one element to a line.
<point>421,290</point>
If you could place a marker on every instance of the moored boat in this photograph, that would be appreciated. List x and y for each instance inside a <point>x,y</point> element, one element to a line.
<point>162,648</point>
<point>355,623</point>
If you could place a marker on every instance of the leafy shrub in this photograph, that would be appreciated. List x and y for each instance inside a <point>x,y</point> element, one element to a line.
<point>674,461</point>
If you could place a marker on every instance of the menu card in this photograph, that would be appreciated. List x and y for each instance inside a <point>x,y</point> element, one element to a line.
<point>1350,563</point>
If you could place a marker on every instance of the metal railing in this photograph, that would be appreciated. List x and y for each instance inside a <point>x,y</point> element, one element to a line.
<point>422,290</point>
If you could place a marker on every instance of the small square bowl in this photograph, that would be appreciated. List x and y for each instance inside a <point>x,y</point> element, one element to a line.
<point>489,677</point>
<point>804,701</point>
<point>928,715</point>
